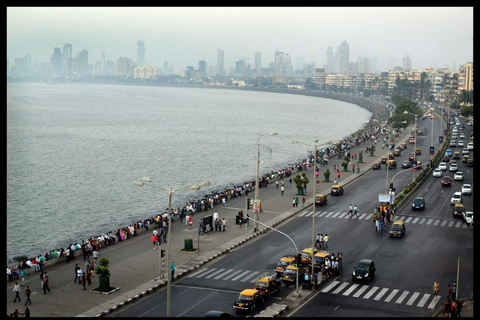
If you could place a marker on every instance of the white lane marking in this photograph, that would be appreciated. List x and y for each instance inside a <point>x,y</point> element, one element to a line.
<point>424,299</point>
<point>340,288</point>
<point>352,287</point>
<point>240,275</point>
<point>402,297</point>
<point>391,295</point>
<point>342,215</point>
<point>362,216</point>
<point>303,213</point>
<point>422,221</point>
<point>434,302</point>
<point>430,221</point>
<point>369,293</point>
<point>202,273</point>
<point>444,223</point>
<point>250,276</point>
<point>323,214</point>
<point>369,216</point>
<point>408,219</point>
<point>232,274</point>
<point>415,220</point>
<point>380,294</point>
<point>412,298</point>
<point>328,215</point>
<point>330,286</point>
<point>360,291</point>
<point>436,222</point>
<point>336,214</point>
<point>214,273</point>
<point>451,223</point>
<point>222,274</point>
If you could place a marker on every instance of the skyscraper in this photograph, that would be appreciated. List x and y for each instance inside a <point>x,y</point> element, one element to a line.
<point>102,64</point>
<point>221,62</point>
<point>407,63</point>
<point>330,66</point>
<point>258,63</point>
<point>67,63</point>
<point>342,57</point>
<point>140,53</point>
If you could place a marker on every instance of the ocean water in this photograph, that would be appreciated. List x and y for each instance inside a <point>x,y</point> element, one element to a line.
<point>74,150</point>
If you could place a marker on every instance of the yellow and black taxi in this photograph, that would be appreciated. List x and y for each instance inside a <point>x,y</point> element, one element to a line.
<point>376,165</point>
<point>458,210</point>
<point>319,258</point>
<point>320,200</point>
<point>470,162</point>
<point>249,299</point>
<point>384,160</point>
<point>307,255</point>
<point>336,190</point>
<point>397,152</point>
<point>391,164</point>
<point>284,262</point>
<point>465,158</point>
<point>267,284</point>
<point>397,229</point>
<point>391,156</point>
<point>419,132</point>
<point>290,273</point>
<point>456,155</point>
<point>411,140</point>
<point>418,151</point>
<point>404,145</point>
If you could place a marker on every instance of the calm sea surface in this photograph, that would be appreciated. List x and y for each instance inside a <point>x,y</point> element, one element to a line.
<point>73,151</point>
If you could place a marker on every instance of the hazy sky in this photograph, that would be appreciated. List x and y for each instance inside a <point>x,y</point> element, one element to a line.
<point>431,36</point>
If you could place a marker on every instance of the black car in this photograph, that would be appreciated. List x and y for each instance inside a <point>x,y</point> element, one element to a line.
<point>446,158</point>
<point>418,203</point>
<point>218,314</point>
<point>364,270</point>
<point>406,164</point>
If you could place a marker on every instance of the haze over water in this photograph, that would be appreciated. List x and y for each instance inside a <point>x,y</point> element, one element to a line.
<point>73,151</point>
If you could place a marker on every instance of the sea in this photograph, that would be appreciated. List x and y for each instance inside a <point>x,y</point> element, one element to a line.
<point>75,150</point>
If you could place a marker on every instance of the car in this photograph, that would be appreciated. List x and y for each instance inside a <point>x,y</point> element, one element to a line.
<point>411,140</point>
<point>336,190</point>
<point>218,314</point>
<point>397,229</point>
<point>448,152</point>
<point>403,145</point>
<point>465,158</point>
<point>411,156</point>
<point>470,162</point>
<point>249,299</point>
<point>446,158</point>
<point>391,156</point>
<point>468,217</point>
<point>307,255</point>
<point>461,135</point>
<point>397,153</point>
<point>364,270</point>
<point>467,188</point>
<point>454,135</point>
<point>437,173</point>
<point>446,181</point>
<point>461,143</point>
<point>458,210</point>
<point>470,146</point>
<point>320,200</point>
<point>465,151</point>
<point>290,273</point>
<point>418,203</point>
<point>319,259</point>
<point>376,166</point>
<point>284,262</point>
<point>455,129</point>
<point>458,176</point>
<point>267,284</point>
<point>453,167</point>
<point>469,123</point>
<point>453,144</point>
<point>443,166</point>
<point>406,164</point>
<point>384,160</point>
<point>456,155</point>
<point>418,151</point>
<point>391,164</point>
<point>456,198</point>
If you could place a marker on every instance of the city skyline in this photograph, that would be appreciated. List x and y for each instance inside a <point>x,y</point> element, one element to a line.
<point>430,36</point>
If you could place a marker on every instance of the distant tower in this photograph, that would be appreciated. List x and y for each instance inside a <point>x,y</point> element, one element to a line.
<point>343,57</point>
<point>165,68</point>
<point>221,62</point>
<point>258,63</point>
<point>140,53</point>
<point>407,63</point>
<point>102,64</point>
<point>67,62</point>
<point>330,66</point>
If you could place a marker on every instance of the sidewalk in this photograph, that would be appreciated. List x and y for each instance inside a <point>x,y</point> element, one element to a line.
<point>135,266</point>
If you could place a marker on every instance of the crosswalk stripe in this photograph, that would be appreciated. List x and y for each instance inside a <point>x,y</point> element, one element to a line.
<point>323,214</point>
<point>391,295</point>
<point>232,274</point>
<point>464,225</point>
<point>224,273</point>
<point>433,302</point>
<point>369,216</point>
<point>408,219</point>
<point>240,275</point>
<point>451,223</point>
<point>214,273</point>
<point>268,275</point>
<point>340,288</point>
<point>336,214</point>
<point>444,223</point>
<point>353,287</point>
<point>424,299</point>
<point>362,216</point>
<point>430,221</point>
<point>402,296</point>
<point>360,291</point>
<point>310,213</point>
<point>342,215</point>
<point>401,218</point>
<point>415,220</point>
<point>250,276</point>
<point>198,272</point>
<point>205,273</point>
<point>303,213</point>
<point>369,293</point>
<point>317,214</point>
<point>422,221</point>
<point>412,298</point>
<point>330,286</point>
<point>380,294</point>
<point>328,215</point>
<point>436,222</point>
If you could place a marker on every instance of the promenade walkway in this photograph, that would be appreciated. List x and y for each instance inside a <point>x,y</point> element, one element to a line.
<point>135,266</point>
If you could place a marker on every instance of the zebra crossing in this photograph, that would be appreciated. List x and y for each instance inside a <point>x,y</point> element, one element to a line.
<point>337,287</point>
<point>417,299</point>
<point>369,216</point>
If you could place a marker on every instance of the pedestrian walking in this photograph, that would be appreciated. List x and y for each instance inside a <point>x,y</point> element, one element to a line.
<point>224,223</point>
<point>26,313</point>
<point>338,175</point>
<point>172,270</point>
<point>325,241</point>
<point>23,275</point>
<point>381,227</point>
<point>224,201</point>
<point>282,189</point>
<point>190,222</point>
<point>454,291</point>
<point>355,211</point>
<point>84,281</point>
<point>16,290</point>
<point>453,309</point>
<point>334,181</point>
<point>154,241</point>
<point>200,226</point>
<point>449,292</point>
<point>293,202</point>
<point>27,294</point>
<point>248,220</point>
<point>458,306</point>
<point>79,275</point>
<point>321,241</point>
<point>296,201</point>
<point>350,212</point>
<point>303,202</point>
<point>276,184</point>
<point>46,283</point>
<point>317,240</point>
<point>290,181</point>
<point>353,169</point>
<point>283,182</point>
<point>436,288</point>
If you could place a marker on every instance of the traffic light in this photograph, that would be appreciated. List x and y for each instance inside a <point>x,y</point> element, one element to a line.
<point>162,253</point>
<point>249,203</point>
<point>391,187</point>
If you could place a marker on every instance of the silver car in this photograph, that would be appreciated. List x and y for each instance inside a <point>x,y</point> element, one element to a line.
<point>437,173</point>
<point>456,198</point>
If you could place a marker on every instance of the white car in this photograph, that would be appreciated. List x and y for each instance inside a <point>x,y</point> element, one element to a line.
<point>466,189</point>
<point>458,176</point>
<point>456,198</point>
<point>437,173</point>
<point>460,143</point>
<point>468,217</point>
<point>470,146</point>
<point>453,143</point>
<point>465,151</point>
<point>443,166</point>
<point>461,135</point>
<point>455,130</point>
<point>453,167</point>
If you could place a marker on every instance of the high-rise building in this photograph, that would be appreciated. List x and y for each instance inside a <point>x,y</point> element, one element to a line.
<point>258,63</point>
<point>330,67</point>
<point>221,62</point>
<point>56,62</point>
<point>165,67</point>
<point>202,68</point>
<point>407,63</point>
<point>67,59</point>
<point>342,57</point>
<point>81,63</point>
<point>102,64</point>
<point>140,53</point>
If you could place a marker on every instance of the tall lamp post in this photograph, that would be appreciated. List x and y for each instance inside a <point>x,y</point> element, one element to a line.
<point>415,144</point>
<point>170,193</point>
<point>314,185</point>
<point>256,208</point>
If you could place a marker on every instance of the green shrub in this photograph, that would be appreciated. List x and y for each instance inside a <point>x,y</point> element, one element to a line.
<point>406,190</point>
